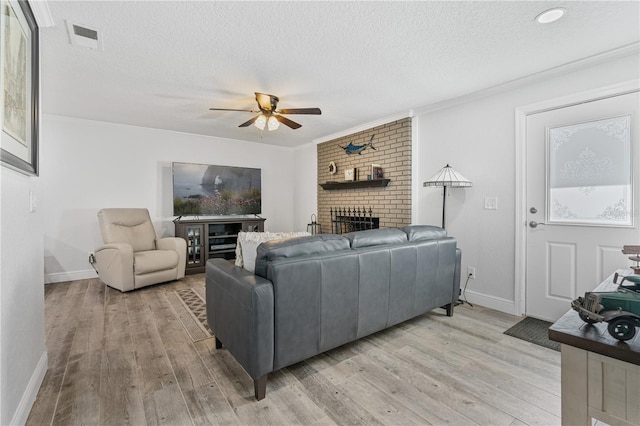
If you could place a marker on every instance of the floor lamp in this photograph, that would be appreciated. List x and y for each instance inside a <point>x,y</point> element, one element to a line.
<point>447,177</point>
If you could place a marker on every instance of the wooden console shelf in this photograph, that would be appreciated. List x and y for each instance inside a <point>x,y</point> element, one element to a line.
<point>355,184</point>
<point>209,238</point>
<point>600,376</point>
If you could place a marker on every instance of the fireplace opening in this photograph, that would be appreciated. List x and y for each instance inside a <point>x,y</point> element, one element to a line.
<point>347,219</point>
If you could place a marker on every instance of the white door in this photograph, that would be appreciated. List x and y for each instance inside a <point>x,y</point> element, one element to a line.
<point>581,199</point>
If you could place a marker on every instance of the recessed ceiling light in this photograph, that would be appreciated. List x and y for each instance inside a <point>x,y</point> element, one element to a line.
<point>550,15</point>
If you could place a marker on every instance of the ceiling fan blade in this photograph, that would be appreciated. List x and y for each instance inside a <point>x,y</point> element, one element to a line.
<point>313,111</point>
<point>267,102</point>
<point>287,122</point>
<point>229,109</point>
<point>249,122</point>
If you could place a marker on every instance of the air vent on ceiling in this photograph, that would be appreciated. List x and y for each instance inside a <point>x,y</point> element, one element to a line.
<point>81,35</point>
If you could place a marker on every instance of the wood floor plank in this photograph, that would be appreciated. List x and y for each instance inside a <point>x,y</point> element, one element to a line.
<point>412,405</point>
<point>381,405</point>
<point>153,365</point>
<point>458,406</point>
<point>125,358</point>
<point>234,382</point>
<point>340,407</point>
<point>90,330</point>
<point>44,406</point>
<point>61,335</point>
<point>543,393</point>
<point>117,324</point>
<point>208,406</point>
<point>526,368</point>
<point>55,295</point>
<point>160,407</point>
<point>61,326</point>
<point>293,404</point>
<point>464,379</point>
<point>79,399</point>
<point>121,399</point>
<point>192,374</point>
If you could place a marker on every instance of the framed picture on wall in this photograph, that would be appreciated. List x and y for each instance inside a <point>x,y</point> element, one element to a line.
<point>19,69</point>
<point>376,171</point>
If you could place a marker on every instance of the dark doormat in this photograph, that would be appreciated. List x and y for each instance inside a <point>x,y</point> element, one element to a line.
<point>535,331</point>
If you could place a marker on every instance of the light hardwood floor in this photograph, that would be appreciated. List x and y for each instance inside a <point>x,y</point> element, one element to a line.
<point>119,358</point>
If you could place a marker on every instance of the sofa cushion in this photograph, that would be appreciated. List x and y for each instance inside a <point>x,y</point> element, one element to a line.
<point>424,232</point>
<point>295,247</point>
<point>146,262</point>
<point>376,237</point>
<point>248,243</point>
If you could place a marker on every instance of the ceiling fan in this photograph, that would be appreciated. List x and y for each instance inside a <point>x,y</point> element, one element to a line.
<point>269,115</point>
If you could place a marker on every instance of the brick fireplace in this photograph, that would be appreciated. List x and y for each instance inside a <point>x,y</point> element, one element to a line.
<point>390,204</point>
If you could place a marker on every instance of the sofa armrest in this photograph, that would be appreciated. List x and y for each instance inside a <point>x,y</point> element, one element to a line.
<point>178,245</point>
<point>240,314</point>
<point>114,263</point>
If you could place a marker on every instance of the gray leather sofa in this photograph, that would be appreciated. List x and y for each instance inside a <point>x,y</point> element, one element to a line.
<point>312,294</point>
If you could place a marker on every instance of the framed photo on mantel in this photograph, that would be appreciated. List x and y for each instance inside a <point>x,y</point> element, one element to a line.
<point>377,172</point>
<point>19,83</point>
<point>351,174</point>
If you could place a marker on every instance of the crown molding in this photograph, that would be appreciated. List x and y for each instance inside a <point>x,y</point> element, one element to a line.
<point>42,13</point>
<point>365,126</point>
<point>627,50</point>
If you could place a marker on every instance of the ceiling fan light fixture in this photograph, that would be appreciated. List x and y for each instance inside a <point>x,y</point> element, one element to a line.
<point>268,114</point>
<point>273,123</point>
<point>260,122</point>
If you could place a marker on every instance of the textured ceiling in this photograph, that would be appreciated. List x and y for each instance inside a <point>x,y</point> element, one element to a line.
<point>165,63</point>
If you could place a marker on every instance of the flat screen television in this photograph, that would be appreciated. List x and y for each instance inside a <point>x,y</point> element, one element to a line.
<point>201,189</point>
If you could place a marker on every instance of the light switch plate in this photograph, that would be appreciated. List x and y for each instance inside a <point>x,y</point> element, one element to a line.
<point>33,202</point>
<point>491,203</point>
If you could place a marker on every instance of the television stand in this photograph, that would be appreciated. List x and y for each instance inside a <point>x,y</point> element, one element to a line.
<point>213,238</point>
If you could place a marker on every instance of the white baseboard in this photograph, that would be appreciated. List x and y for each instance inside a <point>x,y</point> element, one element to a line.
<point>497,303</point>
<point>60,277</point>
<point>31,392</point>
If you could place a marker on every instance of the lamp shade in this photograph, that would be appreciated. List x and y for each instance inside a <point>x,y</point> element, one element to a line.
<point>273,123</point>
<point>447,176</point>
<point>260,122</point>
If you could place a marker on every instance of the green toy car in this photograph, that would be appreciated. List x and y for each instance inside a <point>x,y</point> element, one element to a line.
<point>621,308</point>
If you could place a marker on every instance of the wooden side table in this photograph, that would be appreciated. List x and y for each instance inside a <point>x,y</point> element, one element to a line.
<point>600,376</point>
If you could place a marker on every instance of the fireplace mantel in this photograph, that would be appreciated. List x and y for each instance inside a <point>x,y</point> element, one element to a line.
<point>355,184</point>
<point>390,195</point>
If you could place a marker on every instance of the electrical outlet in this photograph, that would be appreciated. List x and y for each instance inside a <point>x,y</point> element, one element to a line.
<point>92,256</point>
<point>471,272</point>
<point>491,203</point>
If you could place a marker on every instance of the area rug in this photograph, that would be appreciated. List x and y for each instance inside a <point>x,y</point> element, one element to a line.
<point>191,310</point>
<point>535,331</point>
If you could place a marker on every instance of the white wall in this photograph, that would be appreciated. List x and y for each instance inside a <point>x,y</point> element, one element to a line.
<point>89,165</point>
<point>306,185</point>
<point>478,139</point>
<point>23,359</point>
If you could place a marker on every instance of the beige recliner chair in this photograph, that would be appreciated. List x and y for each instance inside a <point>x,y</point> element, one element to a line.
<point>131,256</point>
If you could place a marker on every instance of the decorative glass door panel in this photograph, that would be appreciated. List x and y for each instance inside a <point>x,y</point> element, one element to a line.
<point>589,176</point>
<point>194,245</point>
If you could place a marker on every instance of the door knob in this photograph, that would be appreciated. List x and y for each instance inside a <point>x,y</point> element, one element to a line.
<point>535,224</point>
